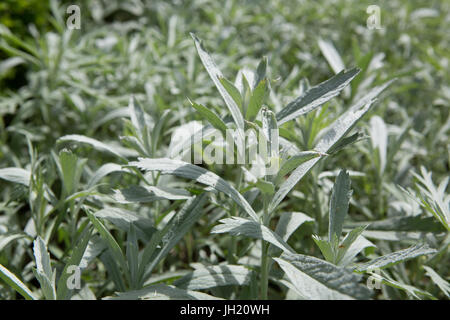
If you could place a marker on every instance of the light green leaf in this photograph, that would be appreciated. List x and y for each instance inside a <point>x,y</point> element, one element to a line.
<point>294,161</point>
<point>199,174</point>
<point>7,238</point>
<point>214,276</point>
<point>15,283</point>
<point>148,194</point>
<point>137,118</point>
<point>396,257</point>
<point>122,219</point>
<point>75,260</point>
<point>210,115</point>
<point>330,53</point>
<point>336,131</point>
<point>347,242</point>
<point>103,171</point>
<point>379,138</point>
<point>413,291</point>
<point>265,186</point>
<point>232,90</point>
<point>240,226</point>
<point>438,280</point>
<point>260,73</point>
<point>289,222</point>
<point>257,99</point>
<point>17,175</point>
<point>325,247</point>
<point>215,75</point>
<point>70,171</point>
<point>346,254</point>
<point>118,152</point>
<point>42,258</point>
<point>172,233</point>
<point>340,198</point>
<point>317,279</point>
<point>43,271</point>
<point>316,96</point>
<point>161,292</point>
<point>114,247</point>
<point>133,256</point>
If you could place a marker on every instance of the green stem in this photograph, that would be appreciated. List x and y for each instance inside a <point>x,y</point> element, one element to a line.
<point>264,270</point>
<point>264,256</point>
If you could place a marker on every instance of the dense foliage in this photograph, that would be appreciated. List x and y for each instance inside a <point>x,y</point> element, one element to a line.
<point>357,209</point>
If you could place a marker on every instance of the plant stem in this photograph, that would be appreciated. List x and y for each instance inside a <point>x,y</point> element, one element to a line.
<point>264,270</point>
<point>264,257</point>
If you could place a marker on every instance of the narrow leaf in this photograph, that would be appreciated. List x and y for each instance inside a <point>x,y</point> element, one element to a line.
<point>17,175</point>
<point>340,198</point>
<point>214,276</point>
<point>15,283</point>
<point>396,257</point>
<point>318,279</point>
<point>316,96</point>
<point>199,174</point>
<point>240,226</point>
<point>215,75</point>
<point>336,131</point>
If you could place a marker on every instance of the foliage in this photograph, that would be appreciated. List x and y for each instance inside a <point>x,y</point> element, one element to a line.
<point>89,173</point>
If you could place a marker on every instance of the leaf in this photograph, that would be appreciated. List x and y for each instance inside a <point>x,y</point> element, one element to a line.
<point>433,199</point>
<point>330,53</point>
<point>137,117</point>
<point>403,223</point>
<point>294,161</point>
<point>122,219</point>
<point>7,238</point>
<point>395,235</point>
<point>214,276</point>
<point>340,198</point>
<point>43,271</point>
<point>133,256</point>
<point>148,194</point>
<point>232,90</point>
<point>161,292</point>
<point>103,171</point>
<point>118,152</point>
<point>438,280</point>
<point>316,96</point>
<point>17,175</point>
<point>260,73</point>
<point>114,247</point>
<point>396,257</point>
<point>172,233</point>
<point>8,64</point>
<point>396,284</point>
<point>346,243</point>
<point>336,131</point>
<point>215,75</point>
<point>15,283</point>
<point>209,115</point>
<point>42,258</point>
<point>240,226</point>
<point>379,137</point>
<point>317,279</point>
<point>199,174</point>
<point>257,99</point>
<point>325,247</point>
<point>289,222</point>
<point>265,186</point>
<point>359,244</point>
<point>69,170</point>
<point>75,260</point>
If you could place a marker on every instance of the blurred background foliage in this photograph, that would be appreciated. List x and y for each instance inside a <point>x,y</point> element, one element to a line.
<point>54,81</point>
